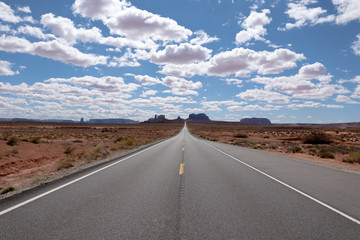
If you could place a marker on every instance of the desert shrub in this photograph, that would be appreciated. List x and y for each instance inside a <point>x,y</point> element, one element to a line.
<point>326,154</point>
<point>312,151</point>
<point>35,140</point>
<point>125,144</point>
<point>13,140</point>
<point>10,152</point>
<point>241,135</point>
<point>94,153</point>
<point>294,149</point>
<point>257,146</point>
<point>118,139</point>
<point>69,150</point>
<point>6,190</point>
<point>130,142</point>
<point>353,157</point>
<point>14,150</point>
<point>5,136</point>
<point>317,138</point>
<point>114,147</point>
<point>273,146</point>
<point>64,164</point>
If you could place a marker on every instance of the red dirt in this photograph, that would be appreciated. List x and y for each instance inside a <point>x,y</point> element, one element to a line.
<point>62,144</point>
<point>283,139</point>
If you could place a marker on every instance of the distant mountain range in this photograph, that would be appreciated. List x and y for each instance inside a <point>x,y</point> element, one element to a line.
<point>192,117</point>
<point>201,117</point>
<point>36,120</point>
<point>110,120</point>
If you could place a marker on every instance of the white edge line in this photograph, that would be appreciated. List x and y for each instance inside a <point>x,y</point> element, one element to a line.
<point>76,180</point>
<point>288,186</point>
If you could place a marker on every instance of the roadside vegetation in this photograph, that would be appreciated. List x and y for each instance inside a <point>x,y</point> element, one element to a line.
<point>9,189</point>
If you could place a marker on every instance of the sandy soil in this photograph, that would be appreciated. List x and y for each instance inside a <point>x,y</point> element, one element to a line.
<point>43,150</point>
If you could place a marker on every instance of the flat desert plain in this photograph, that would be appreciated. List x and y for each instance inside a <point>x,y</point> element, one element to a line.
<point>338,146</point>
<point>34,152</point>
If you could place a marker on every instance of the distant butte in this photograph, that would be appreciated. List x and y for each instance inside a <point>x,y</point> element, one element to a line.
<point>198,117</point>
<point>259,121</point>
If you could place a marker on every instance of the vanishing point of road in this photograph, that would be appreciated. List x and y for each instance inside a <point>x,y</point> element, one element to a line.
<point>187,188</point>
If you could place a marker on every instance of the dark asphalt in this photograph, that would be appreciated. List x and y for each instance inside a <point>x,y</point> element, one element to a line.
<point>217,197</point>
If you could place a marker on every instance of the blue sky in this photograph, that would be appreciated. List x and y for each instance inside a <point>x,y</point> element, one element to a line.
<point>290,61</point>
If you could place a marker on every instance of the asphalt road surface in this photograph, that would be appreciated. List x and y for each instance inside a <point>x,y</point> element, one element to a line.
<point>186,188</point>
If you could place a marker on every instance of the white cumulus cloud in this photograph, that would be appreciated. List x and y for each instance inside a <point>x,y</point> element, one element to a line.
<point>348,10</point>
<point>264,95</point>
<point>185,53</point>
<point>203,38</point>
<point>148,93</point>
<point>356,45</point>
<point>145,80</point>
<point>181,86</point>
<point>310,83</point>
<point>7,14</point>
<point>65,29</point>
<point>345,99</point>
<point>103,84</point>
<point>242,62</point>
<point>53,49</point>
<point>5,68</point>
<point>25,9</point>
<point>254,27</point>
<point>34,32</point>
<point>123,19</point>
<point>305,15</point>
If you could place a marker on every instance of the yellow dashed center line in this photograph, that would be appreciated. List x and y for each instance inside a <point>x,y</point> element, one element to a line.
<point>181,170</point>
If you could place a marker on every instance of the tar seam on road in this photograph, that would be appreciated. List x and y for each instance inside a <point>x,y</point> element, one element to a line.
<point>76,180</point>
<point>181,194</point>
<point>288,186</point>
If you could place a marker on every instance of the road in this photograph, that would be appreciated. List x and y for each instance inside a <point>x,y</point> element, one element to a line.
<point>187,188</point>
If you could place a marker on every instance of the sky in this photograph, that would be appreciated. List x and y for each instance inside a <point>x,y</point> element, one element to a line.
<point>294,61</point>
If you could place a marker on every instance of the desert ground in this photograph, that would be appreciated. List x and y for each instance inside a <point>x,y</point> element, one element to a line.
<point>34,152</point>
<point>337,146</point>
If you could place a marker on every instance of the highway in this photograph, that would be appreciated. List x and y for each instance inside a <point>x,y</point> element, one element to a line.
<point>187,188</point>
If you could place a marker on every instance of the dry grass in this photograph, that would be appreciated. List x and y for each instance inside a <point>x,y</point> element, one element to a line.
<point>35,140</point>
<point>13,140</point>
<point>96,152</point>
<point>129,143</point>
<point>354,157</point>
<point>9,189</point>
<point>65,163</point>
